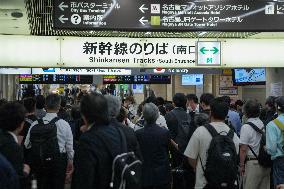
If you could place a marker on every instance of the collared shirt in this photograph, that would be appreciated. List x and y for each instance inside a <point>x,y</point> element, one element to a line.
<point>250,137</point>
<point>64,135</point>
<point>198,146</point>
<point>274,139</point>
<point>235,120</point>
<point>14,136</point>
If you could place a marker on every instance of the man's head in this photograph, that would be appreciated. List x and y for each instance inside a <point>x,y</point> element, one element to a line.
<point>192,101</point>
<point>160,101</point>
<point>123,115</point>
<point>94,109</point>
<point>114,105</point>
<point>219,109</point>
<point>12,117</point>
<point>270,103</point>
<point>280,104</point>
<point>30,104</point>
<point>179,100</point>
<point>52,103</point>
<point>40,102</point>
<point>205,100</point>
<point>227,99</point>
<point>150,113</point>
<point>239,105</point>
<point>128,100</point>
<point>252,109</point>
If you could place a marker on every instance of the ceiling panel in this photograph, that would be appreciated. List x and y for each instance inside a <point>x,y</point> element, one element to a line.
<point>13,17</point>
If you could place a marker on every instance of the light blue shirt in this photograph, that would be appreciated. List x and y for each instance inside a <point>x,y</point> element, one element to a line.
<point>64,135</point>
<point>274,139</point>
<point>235,119</point>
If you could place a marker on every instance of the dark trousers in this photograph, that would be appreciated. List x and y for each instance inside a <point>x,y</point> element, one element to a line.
<point>165,186</point>
<point>52,177</point>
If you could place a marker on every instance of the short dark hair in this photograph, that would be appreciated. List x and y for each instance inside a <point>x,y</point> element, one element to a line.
<point>160,101</point>
<point>239,103</point>
<point>40,101</point>
<point>123,113</point>
<point>94,108</point>
<point>162,110</point>
<point>270,101</point>
<point>280,103</point>
<point>12,114</point>
<point>29,104</point>
<point>206,98</point>
<point>63,102</point>
<point>179,100</point>
<point>252,109</point>
<point>169,107</point>
<point>192,97</point>
<point>151,99</point>
<point>219,108</point>
<point>53,102</point>
<point>227,99</point>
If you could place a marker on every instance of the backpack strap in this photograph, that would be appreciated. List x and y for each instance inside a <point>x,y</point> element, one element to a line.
<point>54,120</point>
<point>255,128</point>
<point>279,124</point>
<point>211,130</point>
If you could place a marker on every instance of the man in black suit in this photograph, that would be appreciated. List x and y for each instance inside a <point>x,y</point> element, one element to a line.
<point>12,119</point>
<point>114,105</point>
<point>93,161</point>
<point>154,143</point>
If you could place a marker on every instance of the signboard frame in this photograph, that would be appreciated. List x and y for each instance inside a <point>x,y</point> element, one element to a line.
<point>197,54</point>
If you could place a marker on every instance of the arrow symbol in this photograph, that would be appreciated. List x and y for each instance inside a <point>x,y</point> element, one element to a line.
<point>62,19</point>
<point>62,6</point>
<point>142,8</point>
<point>203,50</point>
<point>142,21</point>
<point>214,50</point>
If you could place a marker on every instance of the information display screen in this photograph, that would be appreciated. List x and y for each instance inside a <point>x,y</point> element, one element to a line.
<point>249,76</point>
<point>192,79</point>
<point>55,79</point>
<point>137,79</point>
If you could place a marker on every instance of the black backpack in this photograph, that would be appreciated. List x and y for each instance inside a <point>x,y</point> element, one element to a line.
<point>183,129</point>
<point>126,167</point>
<point>45,149</point>
<point>222,161</point>
<point>264,159</point>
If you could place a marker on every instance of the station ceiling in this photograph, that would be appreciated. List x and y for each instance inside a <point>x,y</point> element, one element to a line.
<point>35,18</point>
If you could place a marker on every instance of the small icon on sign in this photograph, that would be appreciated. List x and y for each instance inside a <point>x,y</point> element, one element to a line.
<point>155,8</point>
<point>155,20</point>
<point>269,9</point>
<point>76,19</point>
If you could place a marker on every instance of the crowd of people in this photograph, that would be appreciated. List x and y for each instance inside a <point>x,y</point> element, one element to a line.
<point>106,142</point>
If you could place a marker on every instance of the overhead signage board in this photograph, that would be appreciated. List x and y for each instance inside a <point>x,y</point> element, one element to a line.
<point>15,71</point>
<point>208,53</point>
<point>210,15</point>
<point>128,52</point>
<point>81,71</point>
<point>55,79</point>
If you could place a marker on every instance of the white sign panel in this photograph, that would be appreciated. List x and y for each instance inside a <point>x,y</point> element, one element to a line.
<point>276,89</point>
<point>78,71</point>
<point>208,53</point>
<point>15,71</point>
<point>128,52</point>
